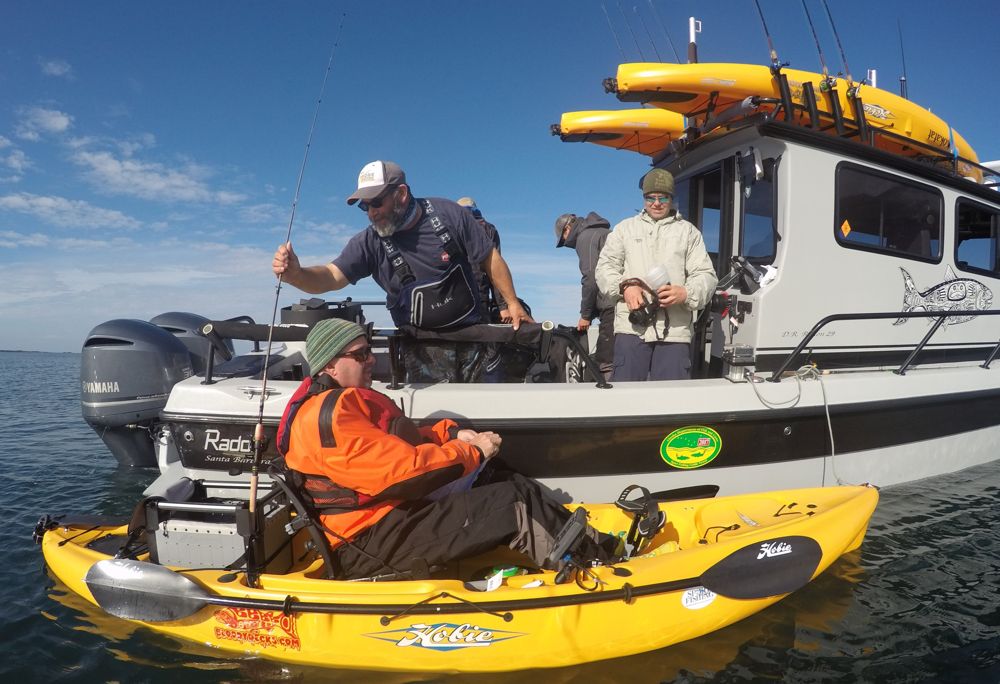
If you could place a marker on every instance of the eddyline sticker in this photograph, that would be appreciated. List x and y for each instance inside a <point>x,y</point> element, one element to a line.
<point>691,447</point>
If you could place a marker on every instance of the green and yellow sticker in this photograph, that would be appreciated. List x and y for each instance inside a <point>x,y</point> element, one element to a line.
<point>691,447</point>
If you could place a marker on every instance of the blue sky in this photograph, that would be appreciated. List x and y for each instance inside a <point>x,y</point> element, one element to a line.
<point>149,151</point>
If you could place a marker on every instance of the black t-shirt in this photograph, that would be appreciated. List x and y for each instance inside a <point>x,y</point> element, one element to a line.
<point>364,255</point>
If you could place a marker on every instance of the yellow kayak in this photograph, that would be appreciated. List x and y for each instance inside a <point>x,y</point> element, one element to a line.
<point>646,131</point>
<point>689,88</point>
<point>714,562</point>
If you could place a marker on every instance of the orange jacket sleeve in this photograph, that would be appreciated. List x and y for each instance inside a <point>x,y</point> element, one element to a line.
<point>370,461</point>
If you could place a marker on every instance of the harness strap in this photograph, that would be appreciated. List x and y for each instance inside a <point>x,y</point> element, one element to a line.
<point>400,268</point>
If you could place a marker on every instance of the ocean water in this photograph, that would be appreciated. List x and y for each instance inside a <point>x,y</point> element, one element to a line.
<point>919,602</point>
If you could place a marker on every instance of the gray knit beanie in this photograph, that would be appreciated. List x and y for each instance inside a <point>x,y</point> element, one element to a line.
<point>327,339</point>
<point>658,180</point>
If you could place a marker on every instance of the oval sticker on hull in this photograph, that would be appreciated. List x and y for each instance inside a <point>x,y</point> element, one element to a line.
<point>691,447</point>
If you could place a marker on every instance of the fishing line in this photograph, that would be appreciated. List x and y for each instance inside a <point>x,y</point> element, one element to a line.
<point>614,33</point>
<point>259,429</point>
<point>649,35</point>
<point>629,27</point>
<point>664,29</point>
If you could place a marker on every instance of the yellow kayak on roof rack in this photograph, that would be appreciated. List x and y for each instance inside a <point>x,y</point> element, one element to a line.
<point>689,89</point>
<point>646,131</point>
<point>715,561</point>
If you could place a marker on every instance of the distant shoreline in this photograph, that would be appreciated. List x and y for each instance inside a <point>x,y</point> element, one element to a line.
<point>32,351</point>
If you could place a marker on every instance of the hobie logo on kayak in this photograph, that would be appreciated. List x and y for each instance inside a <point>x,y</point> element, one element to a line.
<point>691,447</point>
<point>444,636</point>
<point>772,549</point>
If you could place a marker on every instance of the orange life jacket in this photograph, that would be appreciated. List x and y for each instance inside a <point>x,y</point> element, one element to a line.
<point>360,457</point>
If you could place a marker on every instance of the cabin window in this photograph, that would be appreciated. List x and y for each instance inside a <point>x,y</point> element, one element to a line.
<point>699,199</point>
<point>978,234</point>
<point>758,229</point>
<point>883,213</point>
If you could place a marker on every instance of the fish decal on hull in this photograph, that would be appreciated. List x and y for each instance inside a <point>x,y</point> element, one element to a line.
<point>953,294</point>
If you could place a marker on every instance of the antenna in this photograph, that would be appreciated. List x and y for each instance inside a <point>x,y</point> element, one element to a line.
<point>648,34</point>
<point>613,33</point>
<point>629,26</point>
<point>694,27</point>
<point>843,57</point>
<point>902,55</point>
<point>664,29</point>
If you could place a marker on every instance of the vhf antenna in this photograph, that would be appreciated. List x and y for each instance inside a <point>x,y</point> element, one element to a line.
<point>902,79</point>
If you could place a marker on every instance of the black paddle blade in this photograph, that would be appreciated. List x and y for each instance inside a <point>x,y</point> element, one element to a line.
<point>135,590</point>
<point>771,568</point>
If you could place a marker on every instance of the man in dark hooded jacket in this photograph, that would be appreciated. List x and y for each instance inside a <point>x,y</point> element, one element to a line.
<point>587,236</point>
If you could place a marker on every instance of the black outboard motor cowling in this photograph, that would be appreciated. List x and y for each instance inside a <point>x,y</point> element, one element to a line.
<point>187,328</point>
<point>127,369</point>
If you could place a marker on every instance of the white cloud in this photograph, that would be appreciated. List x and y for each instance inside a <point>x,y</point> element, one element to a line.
<point>5,142</point>
<point>12,239</point>
<point>261,213</point>
<point>60,211</point>
<point>16,161</point>
<point>37,121</point>
<point>56,67</point>
<point>150,180</point>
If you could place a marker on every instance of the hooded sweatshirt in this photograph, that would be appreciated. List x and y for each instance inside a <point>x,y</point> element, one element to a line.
<point>587,237</point>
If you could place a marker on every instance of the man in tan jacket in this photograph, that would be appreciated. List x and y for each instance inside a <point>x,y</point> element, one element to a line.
<point>656,267</point>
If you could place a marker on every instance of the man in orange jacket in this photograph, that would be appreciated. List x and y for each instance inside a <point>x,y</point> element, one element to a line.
<point>377,478</point>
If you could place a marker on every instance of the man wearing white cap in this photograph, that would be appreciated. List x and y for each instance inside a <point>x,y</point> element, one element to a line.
<point>420,251</point>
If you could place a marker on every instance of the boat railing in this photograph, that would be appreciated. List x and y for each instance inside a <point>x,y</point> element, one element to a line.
<point>939,315</point>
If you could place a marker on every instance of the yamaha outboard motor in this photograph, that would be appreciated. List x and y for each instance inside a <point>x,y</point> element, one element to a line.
<point>187,328</point>
<point>127,369</point>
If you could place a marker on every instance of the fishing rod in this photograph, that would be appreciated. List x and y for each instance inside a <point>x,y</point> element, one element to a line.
<point>258,436</point>
<point>614,33</point>
<point>649,35</point>
<point>775,64</point>
<point>843,55</point>
<point>781,80</point>
<point>819,49</point>
<point>902,54</point>
<point>629,27</point>
<point>664,29</point>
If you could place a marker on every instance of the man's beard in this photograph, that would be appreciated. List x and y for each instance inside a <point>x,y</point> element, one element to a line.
<point>392,223</point>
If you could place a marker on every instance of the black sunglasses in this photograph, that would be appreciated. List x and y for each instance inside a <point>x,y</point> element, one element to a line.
<point>361,355</point>
<point>376,202</point>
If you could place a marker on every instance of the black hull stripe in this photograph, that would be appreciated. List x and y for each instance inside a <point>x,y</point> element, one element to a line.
<point>616,445</point>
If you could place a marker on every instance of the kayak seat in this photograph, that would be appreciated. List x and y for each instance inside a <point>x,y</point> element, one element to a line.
<point>306,517</point>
